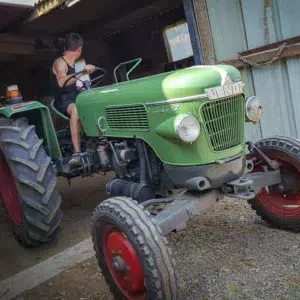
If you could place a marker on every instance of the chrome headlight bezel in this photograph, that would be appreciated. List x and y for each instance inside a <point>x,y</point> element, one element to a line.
<point>254,109</point>
<point>188,128</point>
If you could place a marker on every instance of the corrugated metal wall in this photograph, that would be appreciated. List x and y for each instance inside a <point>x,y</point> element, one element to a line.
<point>238,25</point>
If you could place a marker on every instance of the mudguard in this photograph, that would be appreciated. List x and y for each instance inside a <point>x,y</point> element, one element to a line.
<point>38,115</point>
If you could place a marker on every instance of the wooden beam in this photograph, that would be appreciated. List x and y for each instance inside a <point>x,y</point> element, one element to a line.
<point>292,40</point>
<point>204,30</point>
<point>105,29</point>
<point>43,9</point>
<point>263,56</point>
<point>15,39</point>
<point>12,48</point>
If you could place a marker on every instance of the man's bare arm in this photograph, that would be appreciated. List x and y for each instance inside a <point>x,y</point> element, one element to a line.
<point>60,69</point>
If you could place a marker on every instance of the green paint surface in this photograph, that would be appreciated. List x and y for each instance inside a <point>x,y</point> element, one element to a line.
<point>39,115</point>
<point>127,110</point>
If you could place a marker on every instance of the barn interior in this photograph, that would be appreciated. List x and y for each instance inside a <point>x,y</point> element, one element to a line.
<point>114,31</point>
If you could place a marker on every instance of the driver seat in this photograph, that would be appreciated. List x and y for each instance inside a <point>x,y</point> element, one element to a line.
<point>57,112</point>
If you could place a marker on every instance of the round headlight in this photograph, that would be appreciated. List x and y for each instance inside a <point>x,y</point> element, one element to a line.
<point>188,128</point>
<point>254,109</point>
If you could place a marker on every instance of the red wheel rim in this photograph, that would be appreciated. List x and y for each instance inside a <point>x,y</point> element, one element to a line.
<point>123,263</point>
<point>281,203</point>
<point>9,192</point>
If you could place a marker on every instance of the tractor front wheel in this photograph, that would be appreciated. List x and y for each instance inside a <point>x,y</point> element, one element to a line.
<point>28,183</point>
<point>132,253</point>
<point>280,205</point>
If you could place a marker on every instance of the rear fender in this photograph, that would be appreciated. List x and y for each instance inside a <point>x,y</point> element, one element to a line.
<point>38,115</point>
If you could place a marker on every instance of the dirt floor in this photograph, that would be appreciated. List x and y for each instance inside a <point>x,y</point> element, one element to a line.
<point>226,253</point>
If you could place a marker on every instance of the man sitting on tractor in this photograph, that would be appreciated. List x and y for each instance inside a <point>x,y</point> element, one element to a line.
<point>65,91</point>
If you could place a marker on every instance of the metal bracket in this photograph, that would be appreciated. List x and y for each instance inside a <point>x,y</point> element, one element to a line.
<point>241,188</point>
<point>273,164</point>
<point>264,179</point>
<point>186,206</point>
<point>249,185</point>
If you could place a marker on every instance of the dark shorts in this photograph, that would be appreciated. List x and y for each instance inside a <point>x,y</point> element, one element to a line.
<point>63,103</point>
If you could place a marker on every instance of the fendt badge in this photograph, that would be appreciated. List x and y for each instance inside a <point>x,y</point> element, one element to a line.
<point>172,108</point>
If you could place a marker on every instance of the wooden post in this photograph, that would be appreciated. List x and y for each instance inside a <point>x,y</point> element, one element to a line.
<point>202,20</point>
<point>194,33</point>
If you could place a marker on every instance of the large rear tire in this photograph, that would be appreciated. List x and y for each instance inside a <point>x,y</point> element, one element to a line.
<point>132,253</point>
<point>27,183</point>
<point>280,205</point>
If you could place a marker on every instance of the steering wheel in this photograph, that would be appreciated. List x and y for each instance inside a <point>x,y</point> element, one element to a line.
<point>97,80</point>
<point>88,84</point>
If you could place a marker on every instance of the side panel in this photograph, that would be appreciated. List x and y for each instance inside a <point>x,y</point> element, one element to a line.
<point>38,115</point>
<point>170,151</point>
<point>173,151</point>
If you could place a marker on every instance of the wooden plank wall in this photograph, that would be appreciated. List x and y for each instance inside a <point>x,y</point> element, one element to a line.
<point>228,37</point>
<point>240,25</point>
<point>267,22</point>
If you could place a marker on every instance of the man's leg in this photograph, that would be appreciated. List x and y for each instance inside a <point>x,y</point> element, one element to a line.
<point>74,126</point>
<point>76,161</point>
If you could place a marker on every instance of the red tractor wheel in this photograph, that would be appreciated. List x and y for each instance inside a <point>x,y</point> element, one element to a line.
<point>132,254</point>
<point>9,192</point>
<point>28,183</point>
<point>280,205</point>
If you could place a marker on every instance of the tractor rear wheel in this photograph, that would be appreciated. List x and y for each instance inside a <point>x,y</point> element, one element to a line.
<point>27,183</point>
<point>132,253</point>
<point>280,205</point>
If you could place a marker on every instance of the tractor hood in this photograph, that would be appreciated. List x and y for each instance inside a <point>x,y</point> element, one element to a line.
<point>166,86</point>
<point>147,108</point>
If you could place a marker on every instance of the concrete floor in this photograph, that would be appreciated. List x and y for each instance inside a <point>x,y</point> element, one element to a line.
<point>79,200</point>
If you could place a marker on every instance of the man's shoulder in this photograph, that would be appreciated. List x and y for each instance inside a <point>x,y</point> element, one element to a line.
<point>59,63</point>
<point>59,60</point>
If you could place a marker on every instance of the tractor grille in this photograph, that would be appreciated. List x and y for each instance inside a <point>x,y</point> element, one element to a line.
<point>127,118</point>
<point>224,122</point>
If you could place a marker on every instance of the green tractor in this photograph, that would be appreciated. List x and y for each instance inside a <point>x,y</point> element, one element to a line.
<point>176,142</point>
